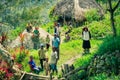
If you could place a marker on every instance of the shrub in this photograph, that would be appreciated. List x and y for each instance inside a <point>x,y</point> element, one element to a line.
<point>83,61</point>
<point>104,76</point>
<point>110,44</point>
<point>99,29</point>
<point>117,24</point>
<point>21,56</point>
<point>92,15</point>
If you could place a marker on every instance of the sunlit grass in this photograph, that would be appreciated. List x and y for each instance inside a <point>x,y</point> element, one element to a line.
<point>68,51</point>
<point>85,59</point>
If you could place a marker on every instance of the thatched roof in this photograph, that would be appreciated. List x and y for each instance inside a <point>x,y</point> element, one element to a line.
<point>75,8</point>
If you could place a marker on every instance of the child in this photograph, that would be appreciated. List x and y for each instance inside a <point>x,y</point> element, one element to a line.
<point>46,67</point>
<point>86,40</point>
<point>33,65</point>
<point>53,61</point>
<point>41,54</point>
<point>47,42</point>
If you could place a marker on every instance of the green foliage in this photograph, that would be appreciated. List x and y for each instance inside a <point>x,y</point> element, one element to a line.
<point>51,12</point>
<point>117,24</point>
<point>26,59</point>
<point>20,57</point>
<point>68,50</point>
<point>25,64</point>
<point>99,29</point>
<point>15,32</point>
<point>83,61</point>
<point>76,33</point>
<point>110,44</point>
<point>104,76</point>
<point>18,12</point>
<point>92,15</point>
<point>48,27</point>
<point>2,74</point>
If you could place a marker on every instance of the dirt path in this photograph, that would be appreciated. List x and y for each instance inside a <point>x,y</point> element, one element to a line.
<point>73,59</point>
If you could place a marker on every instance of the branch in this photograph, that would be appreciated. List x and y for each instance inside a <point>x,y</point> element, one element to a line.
<point>110,5</point>
<point>116,6</point>
<point>108,10</point>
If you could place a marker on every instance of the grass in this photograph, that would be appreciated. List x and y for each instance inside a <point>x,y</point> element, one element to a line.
<point>72,48</point>
<point>84,60</point>
<point>68,50</point>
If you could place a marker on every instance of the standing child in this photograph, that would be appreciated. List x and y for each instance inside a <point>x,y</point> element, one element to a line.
<point>86,39</point>
<point>53,61</point>
<point>47,42</point>
<point>55,44</point>
<point>46,67</point>
<point>41,54</point>
<point>35,38</point>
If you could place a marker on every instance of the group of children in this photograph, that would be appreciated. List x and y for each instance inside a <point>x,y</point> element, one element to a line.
<point>46,65</point>
<point>50,66</point>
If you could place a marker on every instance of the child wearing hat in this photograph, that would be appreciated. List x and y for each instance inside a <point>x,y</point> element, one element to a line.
<point>41,54</point>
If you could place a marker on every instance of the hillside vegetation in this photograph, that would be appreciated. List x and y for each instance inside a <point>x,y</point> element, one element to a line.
<point>17,13</point>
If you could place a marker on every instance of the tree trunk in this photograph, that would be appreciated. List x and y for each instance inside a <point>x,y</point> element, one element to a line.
<point>112,24</point>
<point>112,10</point>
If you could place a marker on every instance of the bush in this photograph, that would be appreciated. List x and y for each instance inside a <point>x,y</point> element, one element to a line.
<point>104,76</point>
<point>21,56</point>
<point>99,29</point>
<point>92,15</point>
<point>117,24</point>
<point>83,61</point>
<point>110,44</point>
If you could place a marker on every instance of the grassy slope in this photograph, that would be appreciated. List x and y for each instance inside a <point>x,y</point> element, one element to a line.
<point>67,51</point>
<point>74,47</point>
